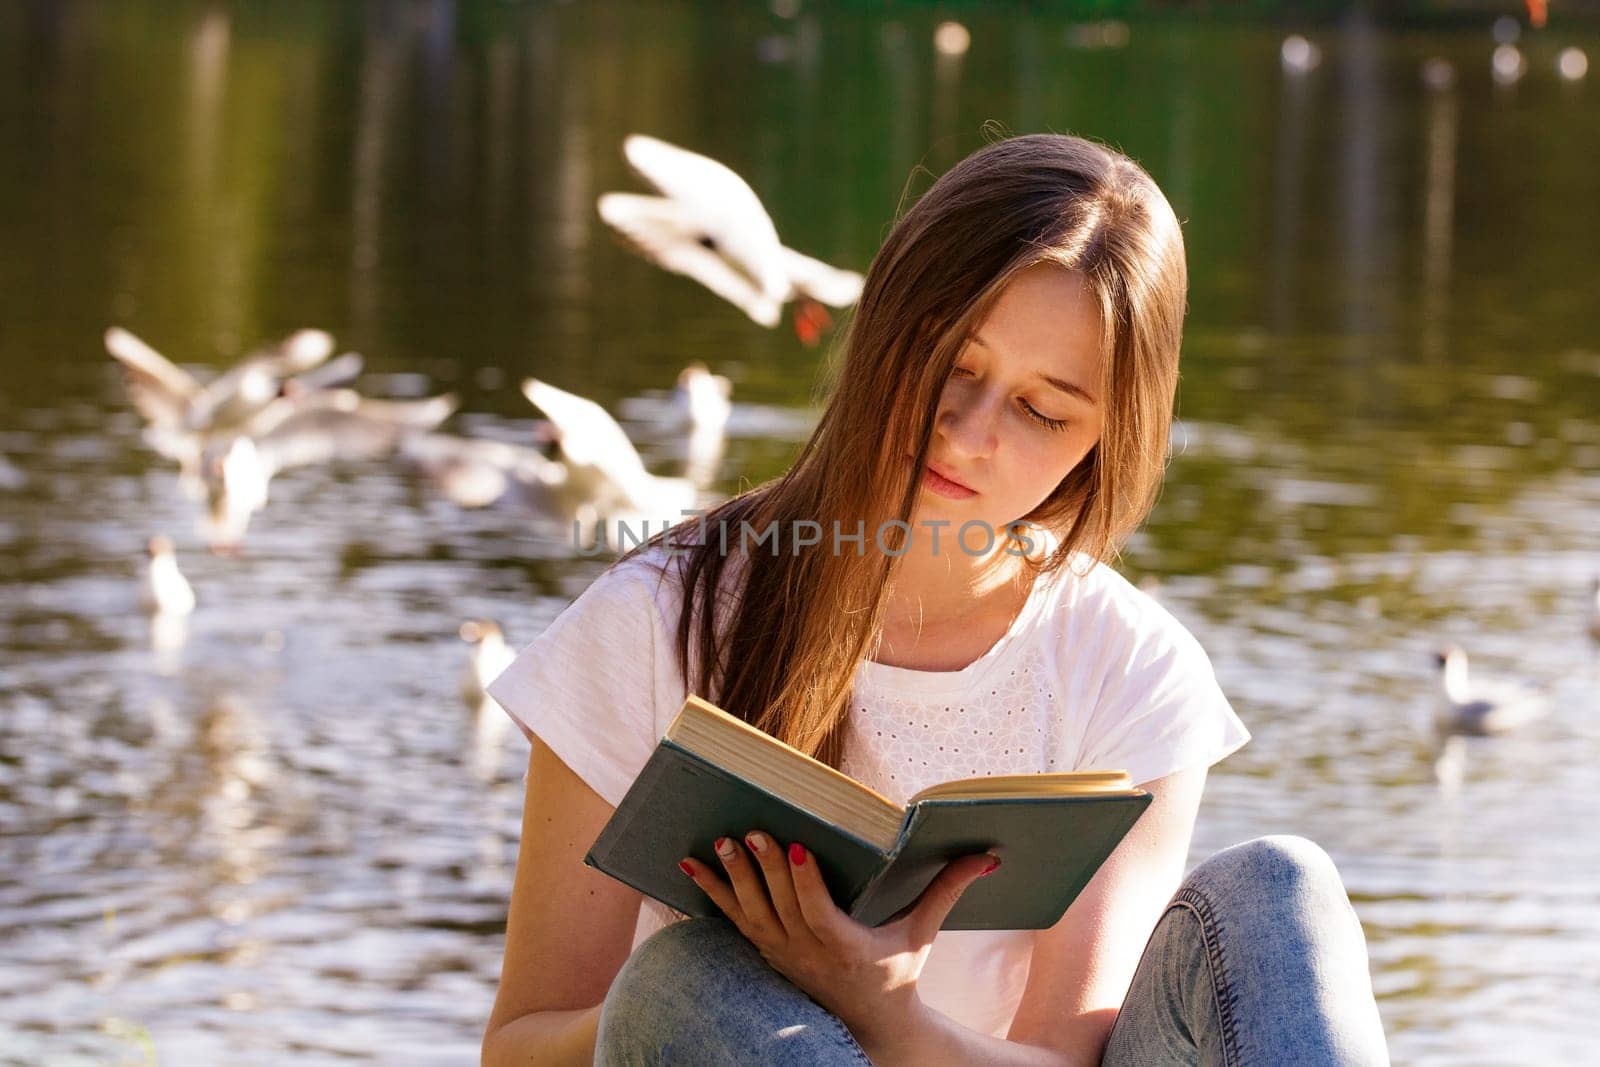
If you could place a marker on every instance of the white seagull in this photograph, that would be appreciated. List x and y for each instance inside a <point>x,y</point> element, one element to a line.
<point>476,473</point>
<point>1468,707</point>
<point>321,427</point>
<point>705,400</point>
<point>166,590</point>
<point>709,225</point>
<point>181,413</point>
<point>490,655</point>
<point>606,479</point>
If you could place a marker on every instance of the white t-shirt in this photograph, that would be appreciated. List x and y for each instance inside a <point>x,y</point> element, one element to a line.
<point>1093,674</point>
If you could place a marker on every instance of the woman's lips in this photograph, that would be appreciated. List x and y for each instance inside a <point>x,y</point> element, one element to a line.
<point>945,487</point>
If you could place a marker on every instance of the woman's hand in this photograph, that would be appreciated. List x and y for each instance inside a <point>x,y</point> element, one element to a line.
<point>864,975</point>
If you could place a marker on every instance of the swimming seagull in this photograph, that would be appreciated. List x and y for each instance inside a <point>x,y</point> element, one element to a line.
<point>166,590</point>
<point>705,400</point>
<point>477,473</point>
<point>1482,708</point>
<point>709,225</point>
<point>490,655</point>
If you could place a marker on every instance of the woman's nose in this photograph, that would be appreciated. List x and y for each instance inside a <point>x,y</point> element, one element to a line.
<point>968,425</point>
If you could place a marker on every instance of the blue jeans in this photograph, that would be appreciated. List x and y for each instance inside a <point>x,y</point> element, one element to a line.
<point>1258,960</point>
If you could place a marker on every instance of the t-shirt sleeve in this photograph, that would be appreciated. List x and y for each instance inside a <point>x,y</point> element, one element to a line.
<point>587,685</point>
<point>1161,710</point>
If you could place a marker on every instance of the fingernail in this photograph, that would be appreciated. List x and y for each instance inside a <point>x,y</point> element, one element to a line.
<point>797,855</point>
<point>990,869</point>
<point>757,842</point>
<point>726,848</point>
<point>683,865</point>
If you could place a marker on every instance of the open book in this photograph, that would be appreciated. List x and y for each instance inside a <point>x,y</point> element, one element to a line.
<point>713,775</point>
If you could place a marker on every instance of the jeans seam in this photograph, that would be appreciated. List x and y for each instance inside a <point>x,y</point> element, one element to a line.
<point>849,1038</point>
<point>1223,992</point>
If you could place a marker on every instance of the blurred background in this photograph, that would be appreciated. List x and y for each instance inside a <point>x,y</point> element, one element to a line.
<point>282,836</point>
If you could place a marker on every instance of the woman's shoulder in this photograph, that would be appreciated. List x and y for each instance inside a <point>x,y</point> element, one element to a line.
<point>656,565</point>
<point>1100,601</point>
<point>660,573</point>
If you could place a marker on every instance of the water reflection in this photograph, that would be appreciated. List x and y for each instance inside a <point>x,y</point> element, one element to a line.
<point>1440,122</point>
<point>288,836</point>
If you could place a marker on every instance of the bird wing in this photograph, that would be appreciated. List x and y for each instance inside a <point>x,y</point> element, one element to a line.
<point>409,414</point>
<point>294,403</point>
<point>722,205</point>
<point>335,372</point>
<point>818,280</point>
<point>299,352</point>
<point>709,190</point>
<point>160,389</point>
<point>252,383</point>
<point>324,435</point>
<point>668,235</point>
<point>589,436</point>
<point>336,427</point>
<point>1510,716</point>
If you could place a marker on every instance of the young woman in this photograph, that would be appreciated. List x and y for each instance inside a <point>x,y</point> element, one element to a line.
<point>924,596</point>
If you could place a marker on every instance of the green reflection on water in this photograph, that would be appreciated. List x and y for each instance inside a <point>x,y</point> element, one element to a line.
<point>1392,289</point>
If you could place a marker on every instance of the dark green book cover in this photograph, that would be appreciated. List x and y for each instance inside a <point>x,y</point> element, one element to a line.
<point>1049,846</point>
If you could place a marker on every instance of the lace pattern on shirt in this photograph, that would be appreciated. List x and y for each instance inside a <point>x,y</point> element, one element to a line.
<point>1005,723</point>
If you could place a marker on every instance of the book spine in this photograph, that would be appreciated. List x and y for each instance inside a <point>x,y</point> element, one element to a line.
<point>864,900</point>
<point>616,830</point>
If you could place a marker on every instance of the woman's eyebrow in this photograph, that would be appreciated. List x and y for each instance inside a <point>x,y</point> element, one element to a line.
<point>1059,383</point>
<point>1069,388</point>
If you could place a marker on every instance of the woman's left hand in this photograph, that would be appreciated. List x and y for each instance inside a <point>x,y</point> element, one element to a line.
<point>865,975</point>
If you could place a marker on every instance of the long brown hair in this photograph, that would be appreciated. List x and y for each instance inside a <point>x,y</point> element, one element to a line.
<point>782,653</point>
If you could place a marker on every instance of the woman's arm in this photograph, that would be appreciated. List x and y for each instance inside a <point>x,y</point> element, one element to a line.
<point>1082,966</point>
<point>570,927</point>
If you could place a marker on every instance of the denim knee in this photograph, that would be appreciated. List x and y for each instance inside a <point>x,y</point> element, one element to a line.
<point>698,992</point>
<point>1277,872</point>
<point>1286,955</point>
<point>678,964</point>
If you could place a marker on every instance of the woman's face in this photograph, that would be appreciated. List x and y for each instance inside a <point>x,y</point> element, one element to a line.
<point>1021,408</point>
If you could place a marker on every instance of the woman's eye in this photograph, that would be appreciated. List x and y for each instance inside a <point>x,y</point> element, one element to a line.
<point>1027,409</point>
<point>1044,420</point>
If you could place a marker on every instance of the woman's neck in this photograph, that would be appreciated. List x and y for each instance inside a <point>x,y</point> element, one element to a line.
<point>932,590</point>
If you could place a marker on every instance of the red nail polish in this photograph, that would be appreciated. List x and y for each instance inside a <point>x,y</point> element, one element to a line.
<point>683,865</point>
<point>797,855</point>
<point>990,869</point>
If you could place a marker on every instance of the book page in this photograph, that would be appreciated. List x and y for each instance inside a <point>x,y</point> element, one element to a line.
<point>1067,783</point>
<point>785,771</point>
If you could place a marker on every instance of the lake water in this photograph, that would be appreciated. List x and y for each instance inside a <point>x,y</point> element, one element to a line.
<point>288,841</point>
